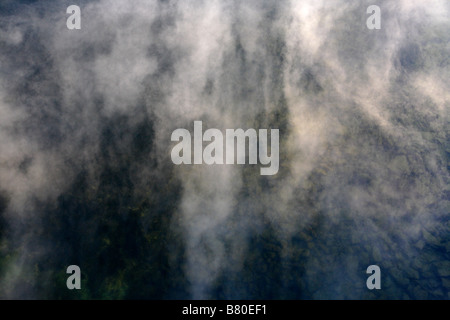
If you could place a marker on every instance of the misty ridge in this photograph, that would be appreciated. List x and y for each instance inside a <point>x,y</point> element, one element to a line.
<point>87,179</point>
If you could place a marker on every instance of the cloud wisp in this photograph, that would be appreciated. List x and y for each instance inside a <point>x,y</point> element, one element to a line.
<point>364,148</point>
